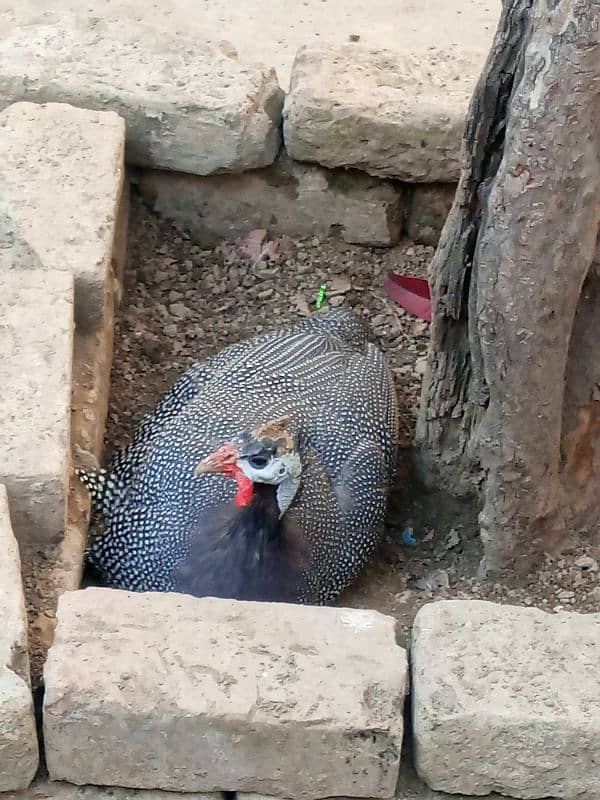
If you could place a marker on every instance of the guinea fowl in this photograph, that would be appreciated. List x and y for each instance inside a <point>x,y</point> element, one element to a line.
<point>262,475</point>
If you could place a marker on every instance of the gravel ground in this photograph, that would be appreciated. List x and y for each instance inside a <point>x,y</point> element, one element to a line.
<point>184,301</point>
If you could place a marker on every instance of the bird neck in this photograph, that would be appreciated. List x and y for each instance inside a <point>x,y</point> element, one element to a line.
<point>284,492</point>
<point>258,518</point>
<point>245,488</point>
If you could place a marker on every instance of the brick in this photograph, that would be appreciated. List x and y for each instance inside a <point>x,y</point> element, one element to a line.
<point>36,344</point>
<point>61,567</point>
<point>228,685</point>
<point>393,114</point>
<point>189,106</point>
<point>287,198</point>
<point>505,699</point>
<point>411,787</point>
<point>428,209</point>
<point>61,171</point>
<point>18,737</point>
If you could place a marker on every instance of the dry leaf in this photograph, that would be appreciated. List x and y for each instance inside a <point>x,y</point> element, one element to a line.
<point>339,284</point>
<point>251,245</point>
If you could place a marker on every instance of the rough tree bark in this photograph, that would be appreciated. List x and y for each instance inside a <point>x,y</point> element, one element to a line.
<point>516,297</point>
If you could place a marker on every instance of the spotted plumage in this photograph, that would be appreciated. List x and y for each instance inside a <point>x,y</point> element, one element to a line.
<point>165,527</point>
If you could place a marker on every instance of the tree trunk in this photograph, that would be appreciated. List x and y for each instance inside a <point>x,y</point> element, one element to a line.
<point>511,323</point>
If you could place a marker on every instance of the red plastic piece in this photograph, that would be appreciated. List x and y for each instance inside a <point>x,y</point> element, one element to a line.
<point>411,293</point>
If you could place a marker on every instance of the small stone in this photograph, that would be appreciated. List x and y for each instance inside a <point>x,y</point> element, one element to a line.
<point>180,310</point>
<point>421,365</point>
<point>566,595</point>
<point>594,595</point>
<point>434,580</point>
<point>587,564</point>
<point>153,349</point>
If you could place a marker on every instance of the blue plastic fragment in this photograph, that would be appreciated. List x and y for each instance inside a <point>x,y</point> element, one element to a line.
<point>407,536</point>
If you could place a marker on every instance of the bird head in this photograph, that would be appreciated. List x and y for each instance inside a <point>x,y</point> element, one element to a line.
<point>266,454</point>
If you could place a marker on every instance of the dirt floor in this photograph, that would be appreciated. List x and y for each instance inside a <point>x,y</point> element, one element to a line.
<point>183,303</point>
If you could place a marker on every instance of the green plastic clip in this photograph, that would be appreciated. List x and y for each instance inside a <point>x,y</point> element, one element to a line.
<point>321,295</point>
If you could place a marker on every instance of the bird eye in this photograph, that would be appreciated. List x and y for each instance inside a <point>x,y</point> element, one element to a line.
<point>259,461</point>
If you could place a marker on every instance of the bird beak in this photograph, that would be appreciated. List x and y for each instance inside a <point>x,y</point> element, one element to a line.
<point>221,461</point>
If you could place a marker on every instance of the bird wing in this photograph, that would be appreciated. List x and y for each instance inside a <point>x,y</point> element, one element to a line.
<point>306,342</point>
<point>350,458</point>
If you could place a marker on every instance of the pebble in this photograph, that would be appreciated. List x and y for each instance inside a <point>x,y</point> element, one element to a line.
<point>566,595</point>
<point>594,595</point>
<point>180,310</point>
<point>587,563</point>
<point>421,366</point>
<point>433,580</point>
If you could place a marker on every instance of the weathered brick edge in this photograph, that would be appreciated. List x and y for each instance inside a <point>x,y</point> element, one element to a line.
<point>18,737</point>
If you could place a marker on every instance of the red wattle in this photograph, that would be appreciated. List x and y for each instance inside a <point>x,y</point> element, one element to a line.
<point>245,489</point>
